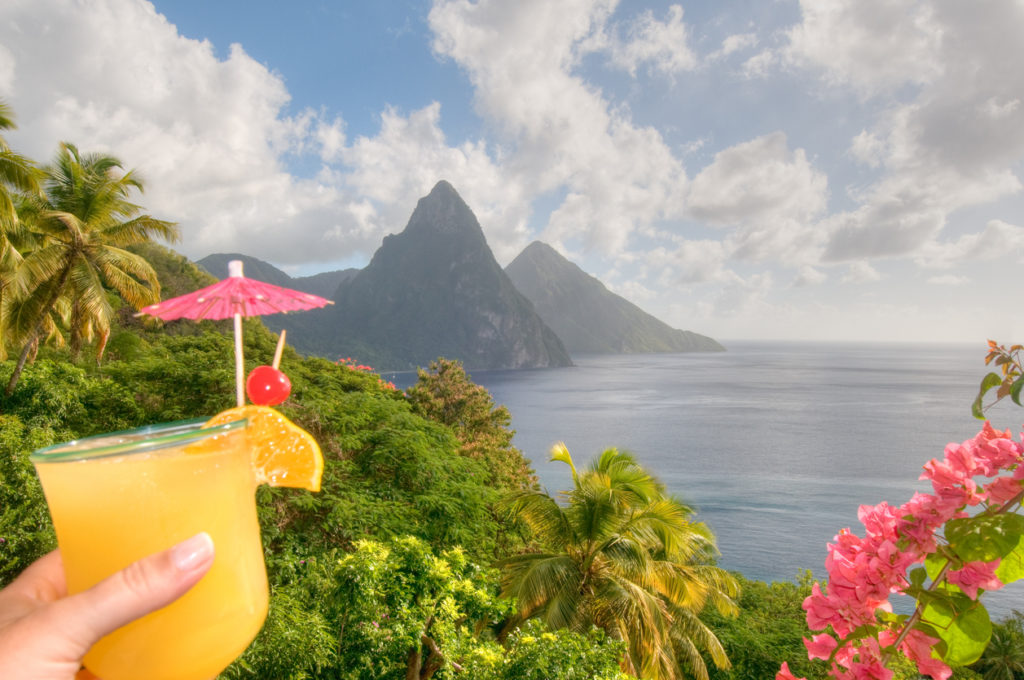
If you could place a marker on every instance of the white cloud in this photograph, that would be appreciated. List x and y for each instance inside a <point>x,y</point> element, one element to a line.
<point>211,137</point>
<point>951,131</point>
<point>662,44</point>
<point>331,139</point>
<point>410,154</point>
<point>997,240</point>
<point>732,44</point>
<point>868,149</point>
<point>7,69</point>
<point>559,133</point>
<point>932,87</point>
<point>756,180</point>
<point>809,276</point>
<point>771,193</point>
<point>861,272</point>
<point>761,65</point>
<point>948,280</point>
<point>871,44</point>
<point>206,134</point>
<point>689,262</point>
<point>740,41</point>
<point>743,296</point>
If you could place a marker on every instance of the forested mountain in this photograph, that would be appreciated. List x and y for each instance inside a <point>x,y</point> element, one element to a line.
<point>436,290</point>
<point>324,284</point>
<point>587,316</point>
<point>433,290</point>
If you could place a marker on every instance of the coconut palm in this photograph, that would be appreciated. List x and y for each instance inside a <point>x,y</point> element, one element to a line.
<point>1003,659</point>
<point>84,221</point>
<point>622,555</point>
<point>17,172</point>
<point>18,176</point>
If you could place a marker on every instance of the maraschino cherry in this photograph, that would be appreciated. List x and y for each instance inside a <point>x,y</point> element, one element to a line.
<point>267,386</point>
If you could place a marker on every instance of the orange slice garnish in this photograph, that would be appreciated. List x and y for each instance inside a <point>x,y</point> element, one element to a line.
<point>283,453</point>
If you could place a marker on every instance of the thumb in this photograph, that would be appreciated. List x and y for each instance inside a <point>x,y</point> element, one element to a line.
<point>138,589</point>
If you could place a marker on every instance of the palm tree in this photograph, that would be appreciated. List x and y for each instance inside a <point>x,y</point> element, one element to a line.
<point>84,222</point>
<point>16,172</point>
<point>621,555</point>
<point>18,176</point>
<point>1003,659</point>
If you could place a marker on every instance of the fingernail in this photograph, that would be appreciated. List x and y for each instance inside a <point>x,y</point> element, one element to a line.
<point>193,552</point>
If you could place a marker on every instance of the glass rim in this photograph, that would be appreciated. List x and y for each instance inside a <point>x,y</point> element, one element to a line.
<point>142,439</point>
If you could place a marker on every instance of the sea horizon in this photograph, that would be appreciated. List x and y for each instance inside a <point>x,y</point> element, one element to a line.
<point>775,443</point>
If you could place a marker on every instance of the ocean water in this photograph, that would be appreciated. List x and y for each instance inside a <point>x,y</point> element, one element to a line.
<point>775,444</point>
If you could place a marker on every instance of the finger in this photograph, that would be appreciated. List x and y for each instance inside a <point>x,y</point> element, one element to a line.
<point>133,592</point>
<point>42,581</point>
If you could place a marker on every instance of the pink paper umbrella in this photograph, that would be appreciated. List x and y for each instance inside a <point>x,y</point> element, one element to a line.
<point>235,296</point>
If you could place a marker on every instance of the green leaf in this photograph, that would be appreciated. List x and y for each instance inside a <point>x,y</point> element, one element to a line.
<point>940,646</point>
<point>963,624</point>
<point>1011,568</point>
<point>1015,390</point>
<point>983,539</point>
<point>934,563</point>
<point>918,576</point>
<point>988,382</point>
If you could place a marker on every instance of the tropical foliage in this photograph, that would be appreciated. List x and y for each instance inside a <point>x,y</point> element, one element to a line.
<point>1003,659</point>
<point>17,174</point>
<point>81,225</point>
<point>399,498</point>
<point>445,393</point>
<point>623,556</point>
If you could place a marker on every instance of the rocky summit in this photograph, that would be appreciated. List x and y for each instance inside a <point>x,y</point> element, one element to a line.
<point>433,290</point>
<point>588,317</point>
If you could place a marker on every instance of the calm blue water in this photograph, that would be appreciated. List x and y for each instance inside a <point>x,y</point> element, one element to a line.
<point>775,444</point>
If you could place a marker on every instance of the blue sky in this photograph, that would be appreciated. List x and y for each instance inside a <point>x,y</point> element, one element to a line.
<point>827,170</point>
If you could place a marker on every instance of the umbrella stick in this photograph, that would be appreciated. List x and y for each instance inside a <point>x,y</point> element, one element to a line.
<point>279,350</point>
<point>239,367</point>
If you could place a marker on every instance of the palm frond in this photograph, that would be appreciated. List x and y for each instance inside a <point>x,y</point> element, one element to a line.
<point>688,627</point>
<point>535,579</point>
<point>543,516</point>
<point>127,273</point>
<point>687,656</point>
<point>141,229</point>
<point>560,452</point>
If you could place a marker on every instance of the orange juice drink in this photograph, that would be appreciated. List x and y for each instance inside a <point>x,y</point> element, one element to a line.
<point>120,497</point>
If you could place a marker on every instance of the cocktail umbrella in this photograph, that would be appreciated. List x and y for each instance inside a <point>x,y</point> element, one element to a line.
<point>235,296</point>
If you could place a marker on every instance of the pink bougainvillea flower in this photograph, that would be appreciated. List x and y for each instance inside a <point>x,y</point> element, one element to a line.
<point>996,454</point>
<point>820,646</point>
<point>784,673</point>
<point>941,474</point>
<point>1003,490</point>
<point>880,521</point>
<point>960,459</point>
<point>917,647</point>
<point>864,572</point>
<point>976,575</point>
<point>951,483</point>
<point>822,611</point>
<point>871,670</point>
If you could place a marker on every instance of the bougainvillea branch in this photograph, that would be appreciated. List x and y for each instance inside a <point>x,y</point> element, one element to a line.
<point>932,537</point>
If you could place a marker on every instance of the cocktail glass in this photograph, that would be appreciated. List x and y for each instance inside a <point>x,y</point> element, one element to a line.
<point>116,498</point>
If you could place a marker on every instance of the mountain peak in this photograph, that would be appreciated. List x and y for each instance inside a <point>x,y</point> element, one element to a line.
<point>441,189</point>
<point>540,251</point>
<point>586,316</point>
<point>433,290</point>
<point>443,212</point>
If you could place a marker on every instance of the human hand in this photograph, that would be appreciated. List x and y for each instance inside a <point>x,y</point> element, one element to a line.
<point>44,633</point>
